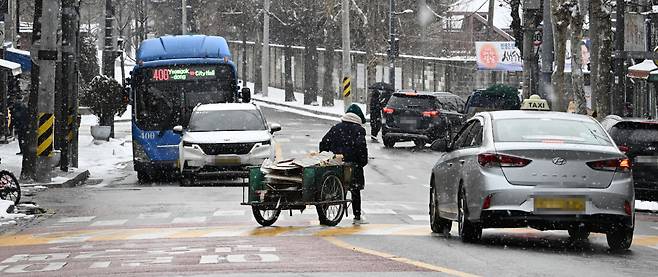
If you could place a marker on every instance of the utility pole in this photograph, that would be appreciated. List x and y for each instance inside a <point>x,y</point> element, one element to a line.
<point>184,20</point>
<point>392,43</point>
<point>69,84</point>
<point>29,163</point>
<point>619,95</point>
<point>347,49</point>
<point>48,56</point>
<point>490,31</point>
<point>10,24</point>
<point>546,51</point>
<point>265,64</point>
<point>109,55</point>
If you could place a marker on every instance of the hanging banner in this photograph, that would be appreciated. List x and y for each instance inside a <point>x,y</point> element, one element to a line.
<point>498,55</point>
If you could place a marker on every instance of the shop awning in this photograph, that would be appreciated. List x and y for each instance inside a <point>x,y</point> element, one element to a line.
<point>21,57</point>
<point>642,70</point>
<point>12,67</point>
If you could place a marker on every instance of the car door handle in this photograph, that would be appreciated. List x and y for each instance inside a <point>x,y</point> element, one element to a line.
<point>462,162</point>
<point>449,164</point>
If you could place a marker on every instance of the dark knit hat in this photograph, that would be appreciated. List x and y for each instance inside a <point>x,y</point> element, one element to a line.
<point>355,109</point>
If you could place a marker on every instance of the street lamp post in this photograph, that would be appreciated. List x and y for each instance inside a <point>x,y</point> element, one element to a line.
<point>184,17</point>
<point>394,42</point>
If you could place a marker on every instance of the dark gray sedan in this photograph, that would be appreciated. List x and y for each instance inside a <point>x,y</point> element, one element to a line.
<point>545,170</point>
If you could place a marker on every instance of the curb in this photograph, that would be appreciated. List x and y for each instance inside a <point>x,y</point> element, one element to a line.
<point>77,180</point>
<point>298,108</point>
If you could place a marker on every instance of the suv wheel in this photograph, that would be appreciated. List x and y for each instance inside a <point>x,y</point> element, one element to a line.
<point>419,143</point>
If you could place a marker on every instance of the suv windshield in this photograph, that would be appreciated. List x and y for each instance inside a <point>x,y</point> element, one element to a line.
<point>635,133</point>
<point>413,102</point>
<point>549,130</point>
<point>228,120</point>
<point>494,101</point>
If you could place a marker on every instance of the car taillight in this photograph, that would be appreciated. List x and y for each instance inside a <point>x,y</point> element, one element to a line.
<point>491,160</point>
<point>388,110</point>
<point>627,208</point>
<point>487,202</point>
<point>431,113</point>
<point>624,149</point>
<point>623,165</point>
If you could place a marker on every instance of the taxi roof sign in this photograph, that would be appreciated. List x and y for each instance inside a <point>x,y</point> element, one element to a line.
<point>535,103</point>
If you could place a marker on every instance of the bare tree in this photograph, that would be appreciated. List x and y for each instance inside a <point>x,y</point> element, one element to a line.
<point>601,74</point>
<point>577,95</point>
<point>560,17</point>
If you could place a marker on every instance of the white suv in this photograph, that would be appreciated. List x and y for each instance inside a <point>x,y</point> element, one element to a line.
<point>222,140</point>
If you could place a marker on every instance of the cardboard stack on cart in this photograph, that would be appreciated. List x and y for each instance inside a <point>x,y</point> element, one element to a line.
<point>288,174</point>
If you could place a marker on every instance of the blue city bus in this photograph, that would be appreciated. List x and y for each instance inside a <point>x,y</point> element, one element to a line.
<point>173,74</point>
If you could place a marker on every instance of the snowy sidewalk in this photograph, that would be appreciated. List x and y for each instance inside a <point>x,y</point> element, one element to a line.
<point>276,97</point>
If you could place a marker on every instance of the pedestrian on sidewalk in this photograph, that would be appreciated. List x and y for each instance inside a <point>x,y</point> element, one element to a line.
<point>19,120</point>
<point>375,114</point>
<point>348,138</point>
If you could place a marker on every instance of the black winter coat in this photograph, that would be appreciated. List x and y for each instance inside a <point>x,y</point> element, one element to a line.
<point>348,139</point>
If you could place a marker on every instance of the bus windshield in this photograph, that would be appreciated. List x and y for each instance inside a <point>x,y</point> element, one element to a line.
<point>161,105</point>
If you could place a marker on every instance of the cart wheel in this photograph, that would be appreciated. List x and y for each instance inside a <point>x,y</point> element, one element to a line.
<point>265,217</point>
<point>9,187</point>
<point>332,190</point>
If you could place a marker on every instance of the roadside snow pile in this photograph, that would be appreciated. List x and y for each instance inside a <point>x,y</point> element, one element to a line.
<point>9,218</point>
<point>646,205</point>
<point>105,160</point>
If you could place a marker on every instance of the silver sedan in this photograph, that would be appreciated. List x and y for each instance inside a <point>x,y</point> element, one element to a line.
<point>545,170</point>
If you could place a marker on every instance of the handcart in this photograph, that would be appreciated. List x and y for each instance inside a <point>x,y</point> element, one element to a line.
<point>324,186</point>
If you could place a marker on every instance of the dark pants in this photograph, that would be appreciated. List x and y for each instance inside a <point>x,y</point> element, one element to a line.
<point>20,136</point>
<point>356,202</point>
<point>375,124</point>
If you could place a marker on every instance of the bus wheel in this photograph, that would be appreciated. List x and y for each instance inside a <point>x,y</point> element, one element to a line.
<point>144,177</point>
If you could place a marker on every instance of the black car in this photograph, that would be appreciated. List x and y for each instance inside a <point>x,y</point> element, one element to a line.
<point>421,117</point>
<point>482,100</point>
<point>638,139</point>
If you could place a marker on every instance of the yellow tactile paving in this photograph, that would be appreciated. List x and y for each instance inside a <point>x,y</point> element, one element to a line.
<point>252,231</point>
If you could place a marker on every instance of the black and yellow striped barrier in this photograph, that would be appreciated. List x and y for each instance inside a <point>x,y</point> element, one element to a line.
<point>45,134</point>
<point>347,86</point>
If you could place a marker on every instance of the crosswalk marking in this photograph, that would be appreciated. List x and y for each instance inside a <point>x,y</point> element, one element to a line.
<point>419,217</point>
<point>77,219</point>
<point>154,215</point>
<point>229,213</point>
<point>194,219</point>
<point>378,211</point>
<point>117,222</point>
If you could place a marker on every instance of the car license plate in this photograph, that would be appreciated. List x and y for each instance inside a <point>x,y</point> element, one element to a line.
<point>562,204</point>
<point>227,160</point>
<point>408,121</point>
<point>646,159</point>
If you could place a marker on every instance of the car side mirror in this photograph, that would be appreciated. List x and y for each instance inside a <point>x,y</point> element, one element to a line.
<point>275,127</point>
<point>441,145</point>
<point>245,94</point>
<point>178,130</point>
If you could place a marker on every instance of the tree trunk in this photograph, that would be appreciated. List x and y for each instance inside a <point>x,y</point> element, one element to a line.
<point>329,84</point>
<point>560,29</point>
<point>594,53</point>
<point>244,57</point>
<point>603,53</point>
<point>289,88</point>
<point>310,72</point>
<point>577,91</point>
<point>258,65</point>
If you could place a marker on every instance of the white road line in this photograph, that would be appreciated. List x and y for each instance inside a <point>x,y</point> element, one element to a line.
<point>398,167</point>
<point>196,219</point>
<point>654,227</point>
<point>419,217</point>
<point>294,152</point>
<point>229,213</point>
<point>282,140</point>
<point>378,211</point>
<point>412,177</point>
<point>77,219</point>
<point>117,222</point>
<point>100,265</point>
<point>154,216</point>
